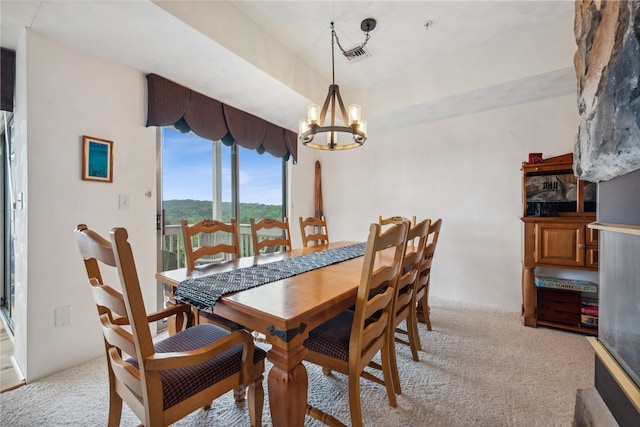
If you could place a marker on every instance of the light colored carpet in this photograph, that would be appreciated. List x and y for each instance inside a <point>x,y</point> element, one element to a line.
<point>479,367</point>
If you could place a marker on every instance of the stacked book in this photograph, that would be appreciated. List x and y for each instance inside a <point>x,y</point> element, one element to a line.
<point>588,296</point>
<point>589,312</point>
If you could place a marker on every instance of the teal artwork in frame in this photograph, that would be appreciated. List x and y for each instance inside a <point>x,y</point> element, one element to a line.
<point>97,159</point>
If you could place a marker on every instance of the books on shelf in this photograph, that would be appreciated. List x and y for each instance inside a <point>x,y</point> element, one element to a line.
<point>591,321</point>
<point>589,306</point>
<point>589,312</point>
<point>566,284</point>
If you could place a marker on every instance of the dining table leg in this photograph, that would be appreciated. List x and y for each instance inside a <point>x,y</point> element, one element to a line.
<point>288,384</point>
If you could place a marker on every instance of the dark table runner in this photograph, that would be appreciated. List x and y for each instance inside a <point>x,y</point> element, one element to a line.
<point>203,292</point>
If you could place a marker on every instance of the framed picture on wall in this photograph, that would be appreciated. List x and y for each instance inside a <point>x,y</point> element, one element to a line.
<point>97,159</point>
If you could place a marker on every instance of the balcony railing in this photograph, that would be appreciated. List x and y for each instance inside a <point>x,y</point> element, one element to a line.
<point>173,244</point>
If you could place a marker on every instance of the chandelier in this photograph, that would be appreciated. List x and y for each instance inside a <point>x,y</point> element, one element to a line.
<point>353,125</point>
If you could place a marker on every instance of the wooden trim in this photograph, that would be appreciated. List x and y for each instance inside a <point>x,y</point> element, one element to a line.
<point>631,390</point>
<point>617,228</point>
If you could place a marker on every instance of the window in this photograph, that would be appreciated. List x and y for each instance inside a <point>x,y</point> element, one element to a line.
<point>204,179</point>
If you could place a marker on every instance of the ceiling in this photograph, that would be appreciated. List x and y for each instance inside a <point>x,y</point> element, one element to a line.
<point>272,58</point>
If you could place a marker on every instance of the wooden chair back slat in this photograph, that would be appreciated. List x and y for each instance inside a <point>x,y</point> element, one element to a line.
<point>126,373</point>
<point>107,297</point>
<point>392,220</point>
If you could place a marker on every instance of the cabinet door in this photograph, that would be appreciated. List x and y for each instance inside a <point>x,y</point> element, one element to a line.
<point>592,248</point>
<point>592,257</point>
<point>560,244</point>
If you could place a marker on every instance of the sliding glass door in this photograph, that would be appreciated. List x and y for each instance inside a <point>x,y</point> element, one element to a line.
<point>7,293</point>
<point>204,179</point>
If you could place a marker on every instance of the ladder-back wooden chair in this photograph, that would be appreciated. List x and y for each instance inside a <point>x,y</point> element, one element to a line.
<point>405,298</point>
<point>349,341</point>
<point>216,242</point>
<point>163,382</point>
<point>424,275</point>
<point>314,231</point>
<point>270,235</point>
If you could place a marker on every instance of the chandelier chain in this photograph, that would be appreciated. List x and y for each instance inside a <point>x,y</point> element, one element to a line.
<point>366,39</point>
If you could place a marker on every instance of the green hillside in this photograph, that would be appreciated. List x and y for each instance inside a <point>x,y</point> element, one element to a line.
<point>196,210</point>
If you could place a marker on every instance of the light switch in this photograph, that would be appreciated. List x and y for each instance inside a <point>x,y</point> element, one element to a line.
<point>63,315</point>
<point>124,202</point>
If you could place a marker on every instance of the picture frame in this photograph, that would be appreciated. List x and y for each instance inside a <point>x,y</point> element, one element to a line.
<point>97,159</point>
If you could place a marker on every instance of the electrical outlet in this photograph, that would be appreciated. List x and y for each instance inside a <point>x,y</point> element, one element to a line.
<point>63,316</point>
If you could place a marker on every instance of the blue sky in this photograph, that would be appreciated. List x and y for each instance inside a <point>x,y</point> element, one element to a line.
<point>187,171</point>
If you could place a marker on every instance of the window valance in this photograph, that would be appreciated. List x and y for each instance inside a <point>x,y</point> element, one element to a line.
<point>7,78</point>
<point>172,104</point>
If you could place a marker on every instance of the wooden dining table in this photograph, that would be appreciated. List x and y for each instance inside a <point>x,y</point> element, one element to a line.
<point>284,311</point>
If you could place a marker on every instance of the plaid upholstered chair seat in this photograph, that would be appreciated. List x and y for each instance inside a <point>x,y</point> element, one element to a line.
<point>180,384</point>
<point>332,337</point>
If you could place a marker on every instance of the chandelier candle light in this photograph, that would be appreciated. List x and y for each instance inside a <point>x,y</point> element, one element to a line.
<point>353,123</point>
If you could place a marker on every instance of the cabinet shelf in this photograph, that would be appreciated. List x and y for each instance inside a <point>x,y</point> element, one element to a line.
<point>581,329</point>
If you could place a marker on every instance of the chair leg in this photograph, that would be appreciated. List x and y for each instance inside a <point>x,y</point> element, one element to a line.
<point>393,363</point>
<point>427,315</point>
<point>115,401</point>
<point>115,409</point>
<point>256,402</point>
<point>390,371</point>
<point>424,304</point>
<point>239,393</point>
<point>412,332</point>
<point>354,400</point>
<point>417,305</point>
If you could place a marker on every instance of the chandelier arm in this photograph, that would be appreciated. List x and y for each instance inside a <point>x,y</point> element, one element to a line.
<point>333,108</point>
<point>345,117</point>
<point>325,106</point>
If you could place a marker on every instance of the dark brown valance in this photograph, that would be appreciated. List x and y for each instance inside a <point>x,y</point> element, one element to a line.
<point>171,104</point>
<point>7,78</point>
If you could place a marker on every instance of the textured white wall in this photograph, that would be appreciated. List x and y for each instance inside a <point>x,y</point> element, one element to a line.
<point>68,94</point>
<point>465,170</point>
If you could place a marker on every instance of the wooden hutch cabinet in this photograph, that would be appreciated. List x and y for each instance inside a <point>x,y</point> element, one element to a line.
<point>557,208</point>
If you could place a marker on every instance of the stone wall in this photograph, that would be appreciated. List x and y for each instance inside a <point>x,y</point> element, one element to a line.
<point>607,64</point>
